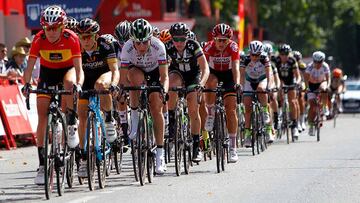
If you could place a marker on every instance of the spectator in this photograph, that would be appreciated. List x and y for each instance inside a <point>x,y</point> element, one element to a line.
<point>15,68</point>
<point>24,43</point>
<point>3,58</point>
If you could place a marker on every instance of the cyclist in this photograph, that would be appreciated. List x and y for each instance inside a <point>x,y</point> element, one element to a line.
<point>156,31</point>
<point>289,75</point>
<point>60,62</point>
<point>192,35</point>
<point>71,23</point>
<point>101,73</point>
<point>317,77</point>
<point>301,97</point>
<point>144,57</point>
<point>337,86</point>
<point>188,68</point>
<point>222,54</point>
<point>255,75</point>
<point>268,50</point>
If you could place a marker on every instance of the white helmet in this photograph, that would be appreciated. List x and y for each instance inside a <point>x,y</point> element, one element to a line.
<point>318,56</point>
<point>256,47</point>
<point>268,48</point>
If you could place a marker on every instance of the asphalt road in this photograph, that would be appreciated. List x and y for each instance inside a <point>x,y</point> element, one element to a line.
<point>305,171</point>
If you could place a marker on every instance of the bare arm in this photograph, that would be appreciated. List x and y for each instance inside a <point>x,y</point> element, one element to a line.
<point>204,68</point>
<point>268,76</point>
<point>113,66</point>
<point>328,80</point>
<point>29,69</point>
<point>242,76</point>
<point>306,78</point>
<point>297,75</point>
<point>164,76</point>
<point>79,71</point>
<point>236,71</point>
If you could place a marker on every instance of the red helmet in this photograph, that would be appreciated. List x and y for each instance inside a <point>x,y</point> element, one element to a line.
<point>222,30</point>
<point>53,16</point>
<point>337,73</point>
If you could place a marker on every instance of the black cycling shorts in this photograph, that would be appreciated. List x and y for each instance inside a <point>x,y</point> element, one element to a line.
<point>90,80</point>
<point>152,78</point>
<point>51,77</point>
<point>188,79</point>
<point>314,86</point>
<point>226,77</point>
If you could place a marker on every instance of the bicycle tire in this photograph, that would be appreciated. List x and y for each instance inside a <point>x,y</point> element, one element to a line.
<point>187,151</point>
<point>217,143</point>
<point>118,156</point>
<point>178,141</point>
<point>253,132</point>
<point>70,170</point>
<point>150,169</point>
<point>134,159</point>
<point>48,160</point>
<point>90,151</point>
<point>62,157</point>
<point>224,144</point>
<point>141,151</point>
<point>102,164</point>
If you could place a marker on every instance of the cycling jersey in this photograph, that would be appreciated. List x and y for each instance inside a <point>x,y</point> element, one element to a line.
<point>152,59</point>
<point>317,75</point>
<point>95,63</point>
<point>255,71</point>
<point>221,61</point>
<point>186,64</point>
<point>56,55</point>
<point>117,47</point>
<point>286,70</point>
<point>336,82</point>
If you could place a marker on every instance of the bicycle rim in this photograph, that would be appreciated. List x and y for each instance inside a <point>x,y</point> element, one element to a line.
<point>177,143</point>
<point>48,162</point>
<point>150,155</point>
<point>217,142</point>
<point>142,151</point>
<point>90,151</point>
<point>62,155</point>
<point>70,170</point>
<point>134,159</point>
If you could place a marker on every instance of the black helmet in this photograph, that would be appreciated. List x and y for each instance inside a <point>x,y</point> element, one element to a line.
<point>297,55</point>
<point>179,29</point>
<point>71,23</point>
<point>140,30</point>
<point>122,31</point>
<point>88,26</point>
<point>285,48</point>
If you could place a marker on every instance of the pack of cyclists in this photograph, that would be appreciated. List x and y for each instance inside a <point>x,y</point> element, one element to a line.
<point>75,55</point>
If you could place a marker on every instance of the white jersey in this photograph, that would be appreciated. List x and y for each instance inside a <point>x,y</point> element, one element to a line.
<point>152,59</point>
<point>317,75</point>
<point>255,70</point>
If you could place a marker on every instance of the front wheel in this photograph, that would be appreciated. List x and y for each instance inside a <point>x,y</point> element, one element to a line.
<point>61,156</point>
<point>90,150</point>
<point>48,160</point>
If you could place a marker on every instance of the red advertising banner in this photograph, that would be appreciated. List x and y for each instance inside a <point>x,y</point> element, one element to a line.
<point>111,12</point>
<point>14,113</point>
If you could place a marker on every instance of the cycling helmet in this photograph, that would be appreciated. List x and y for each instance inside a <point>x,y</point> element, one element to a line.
<point>203,44</point>
<point>165,35</point>
<point>88,26</point>
<point>242,54</point>
<point>179,29</point>
<point>140,30</point>
<point>222,30</point>
<point>192,36</point>
<point>156,31</point>
<point>53,16</point>
<point>122,31</point>
<point>297,55</point>
<point>256,47</point>
<point>285,48</point>
<point>268,48</point>
<point>71,23</point>
<point>109,38</point>
<point>318,56</point>
<point>337,73</point>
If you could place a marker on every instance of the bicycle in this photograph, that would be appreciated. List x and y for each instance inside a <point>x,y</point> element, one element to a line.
<point>220,137</point>
<point>334,107</point>
<point>240,110</point>
<point>55,147</point>
<point>182,138</point>
<point>143,148</point>
<point>318,120</point>
<point>285,117</point>
<point>96,148</point>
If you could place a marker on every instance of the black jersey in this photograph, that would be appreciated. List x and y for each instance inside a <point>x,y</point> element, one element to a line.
<point>286,70</point>
<point>97,61</point>
<point>187,62</point>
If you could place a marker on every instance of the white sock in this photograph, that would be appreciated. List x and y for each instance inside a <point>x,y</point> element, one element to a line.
<point>123,117</point>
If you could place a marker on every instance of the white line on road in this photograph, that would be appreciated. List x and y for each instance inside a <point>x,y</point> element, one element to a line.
<point>83,199</point>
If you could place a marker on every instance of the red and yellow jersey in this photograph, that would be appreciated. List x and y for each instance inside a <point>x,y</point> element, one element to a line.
<point>56,55</point>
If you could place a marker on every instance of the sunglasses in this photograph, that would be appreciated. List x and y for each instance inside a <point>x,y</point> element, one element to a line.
<point>255,55</point>
<point>52,28</point>
<point>223,40</point>
<point>179,39</point>
<point>86,37</point>
<point>138,43</point>
<point>284,54</point>
<point>318,62</point>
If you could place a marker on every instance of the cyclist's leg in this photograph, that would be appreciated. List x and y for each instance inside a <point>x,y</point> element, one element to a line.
<point>82,112</point>
<point>175,80</point>
<point>263,99</point>
<point>136,78</point>
<point>195,123</point>
<point>248,110</point>
<point>210,102</point>
<point>68,81</point>
<point>324,95</point>
<point>293,110</point>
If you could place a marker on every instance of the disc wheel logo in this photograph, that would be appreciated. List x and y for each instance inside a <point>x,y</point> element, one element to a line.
<point>33,11</point>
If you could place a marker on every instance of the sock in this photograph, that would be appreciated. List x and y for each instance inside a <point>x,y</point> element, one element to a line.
<point>108,116</point>
<point>232,140</point>
<point>71,117</point>
<point>276,116</point>
<point>123,117</point>
<point>196,138</point>
<point>41,156</point>
<point>83,155</point>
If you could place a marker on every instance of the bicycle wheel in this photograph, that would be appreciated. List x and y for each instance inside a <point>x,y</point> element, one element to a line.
<point>141,144</point>
<point>217,139</point>
<point>70,169</point>
<point>260,130</point>
<point>49,164</point>
<point>178,142</point>
<point>224,142</point>
<point>253,132</point>
<point>118,155</point>
<point>187,150</point>
<point>62,156</point>
<point>150,170</point>
<point>102,165</point>
<point>286,125</point>
<point>134,159</point>
<point>90,150</point>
